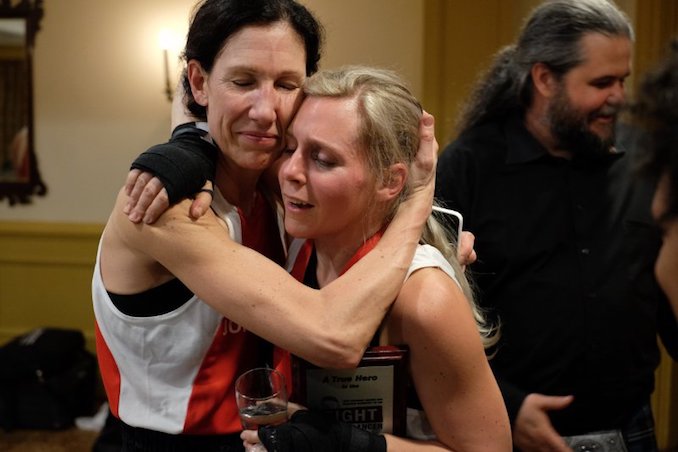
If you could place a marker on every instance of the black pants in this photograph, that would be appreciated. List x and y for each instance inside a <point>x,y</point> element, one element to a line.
<point>142,440</point>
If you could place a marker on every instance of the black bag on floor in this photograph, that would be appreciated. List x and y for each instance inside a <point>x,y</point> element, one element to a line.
<point>47,379</point>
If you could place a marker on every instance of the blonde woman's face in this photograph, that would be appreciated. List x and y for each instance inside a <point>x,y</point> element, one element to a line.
<point>326,185</point>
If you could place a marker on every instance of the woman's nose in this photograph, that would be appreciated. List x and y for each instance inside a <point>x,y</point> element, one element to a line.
<point>292,169</point>
<point>264,106</point>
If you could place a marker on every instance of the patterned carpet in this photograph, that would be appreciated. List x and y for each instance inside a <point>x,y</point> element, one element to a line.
<point>72,440</point>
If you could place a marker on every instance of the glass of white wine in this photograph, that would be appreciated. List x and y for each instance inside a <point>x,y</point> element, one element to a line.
<point>261,395</point>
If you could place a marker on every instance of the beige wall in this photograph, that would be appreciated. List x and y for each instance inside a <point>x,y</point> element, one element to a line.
<point>460,38</point>
<point>99,83</point>
<point>99,97</point>
<point>387,33</point>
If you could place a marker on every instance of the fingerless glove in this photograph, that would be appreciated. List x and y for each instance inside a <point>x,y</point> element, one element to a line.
<point>183,164</point>
<point>309,431</point>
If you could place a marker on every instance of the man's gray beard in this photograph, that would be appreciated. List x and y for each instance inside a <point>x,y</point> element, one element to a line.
<point>570,130</point>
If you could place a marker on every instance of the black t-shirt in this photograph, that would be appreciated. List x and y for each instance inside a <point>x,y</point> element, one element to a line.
<point>566,251</point>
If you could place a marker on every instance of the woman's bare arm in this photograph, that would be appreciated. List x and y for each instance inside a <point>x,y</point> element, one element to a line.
<point>330,327</point>
<point>451,374</point>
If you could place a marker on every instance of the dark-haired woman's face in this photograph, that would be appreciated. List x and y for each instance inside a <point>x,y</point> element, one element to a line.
<point>252,93</point>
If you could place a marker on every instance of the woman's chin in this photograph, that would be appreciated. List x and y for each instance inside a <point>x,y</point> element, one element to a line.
<point>297,231</point>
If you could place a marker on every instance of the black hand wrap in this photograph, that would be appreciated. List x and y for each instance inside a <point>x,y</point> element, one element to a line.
<point>309,431</point>
<point>183,164</point>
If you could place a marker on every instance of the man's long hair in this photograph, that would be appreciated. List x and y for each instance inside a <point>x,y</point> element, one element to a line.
<point>551,36</point>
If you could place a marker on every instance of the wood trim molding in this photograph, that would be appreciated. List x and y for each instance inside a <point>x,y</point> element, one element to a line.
<point>665,402</point>
<point>433,96</point>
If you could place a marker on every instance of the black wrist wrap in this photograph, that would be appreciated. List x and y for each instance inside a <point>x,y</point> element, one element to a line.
<point>309,431</point>
<point>183,164</point>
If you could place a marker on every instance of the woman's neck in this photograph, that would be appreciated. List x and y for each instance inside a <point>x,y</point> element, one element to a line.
<point>334,253</point>
<point>237,185</point>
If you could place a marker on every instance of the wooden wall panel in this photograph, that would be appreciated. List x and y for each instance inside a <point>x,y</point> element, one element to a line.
<point>665,403</point>
<point>656,23</point>
<point>45,277</point>
<point>460,38</point>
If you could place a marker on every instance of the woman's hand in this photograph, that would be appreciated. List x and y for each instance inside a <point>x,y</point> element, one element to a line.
<point>147,198</point>
<point>465,252</point>
<point>250,438</point>
<point>418,205</point>
<point>423,169</point>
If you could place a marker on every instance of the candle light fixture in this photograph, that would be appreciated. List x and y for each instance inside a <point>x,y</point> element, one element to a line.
<point>167,42</point>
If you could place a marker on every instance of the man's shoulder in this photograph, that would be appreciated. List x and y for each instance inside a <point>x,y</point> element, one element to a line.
<point>473,157</point>
<point>484,141</point>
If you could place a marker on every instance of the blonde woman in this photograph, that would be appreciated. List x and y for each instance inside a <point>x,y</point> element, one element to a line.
<point>345,171</point>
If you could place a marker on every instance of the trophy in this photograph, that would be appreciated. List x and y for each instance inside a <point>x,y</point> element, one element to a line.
<point>373,396</point>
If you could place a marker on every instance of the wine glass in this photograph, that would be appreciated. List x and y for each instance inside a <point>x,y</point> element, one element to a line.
<point>261,395</point>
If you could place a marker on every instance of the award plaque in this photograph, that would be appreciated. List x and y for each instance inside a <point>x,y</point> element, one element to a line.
<point>373,396</point>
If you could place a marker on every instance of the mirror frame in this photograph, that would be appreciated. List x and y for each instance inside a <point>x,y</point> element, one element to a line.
<point>32,11</point>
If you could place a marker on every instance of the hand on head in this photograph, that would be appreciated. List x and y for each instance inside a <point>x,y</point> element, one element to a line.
<point>422,173</point>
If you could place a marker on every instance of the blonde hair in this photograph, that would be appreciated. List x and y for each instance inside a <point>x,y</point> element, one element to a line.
<point>389,133</point>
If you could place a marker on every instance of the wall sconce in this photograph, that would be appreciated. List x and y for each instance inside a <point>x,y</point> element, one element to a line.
<point>168,42</point>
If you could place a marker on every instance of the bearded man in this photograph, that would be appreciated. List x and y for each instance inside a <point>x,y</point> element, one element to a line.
<point>564,236</point>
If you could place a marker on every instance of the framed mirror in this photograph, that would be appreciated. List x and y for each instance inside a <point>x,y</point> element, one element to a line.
<point>19,175</point>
